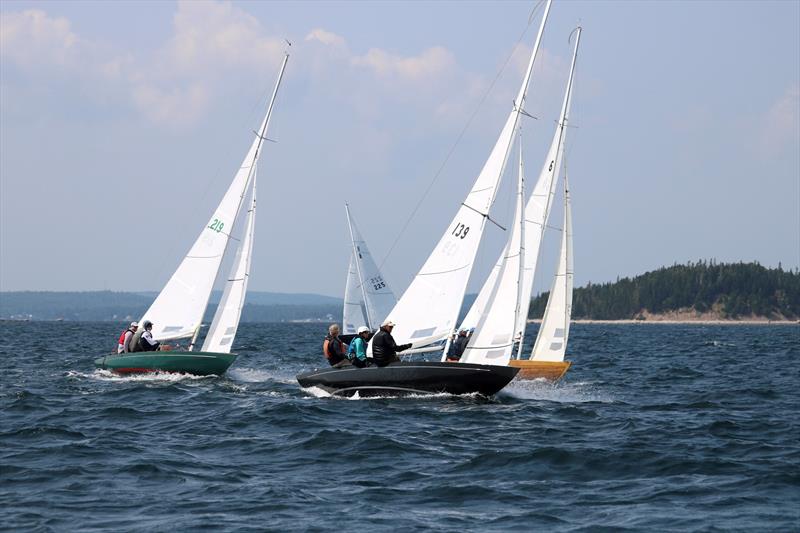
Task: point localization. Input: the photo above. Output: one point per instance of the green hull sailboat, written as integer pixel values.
(197, 363)
(178, 310)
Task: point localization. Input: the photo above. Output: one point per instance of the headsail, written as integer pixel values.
(428, 310)
(494, 336)
(551, 342)
(226, 320)
(177, 311)
(368, 297)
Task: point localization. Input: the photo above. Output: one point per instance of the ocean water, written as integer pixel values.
(654, 428)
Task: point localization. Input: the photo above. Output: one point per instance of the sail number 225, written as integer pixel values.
(460, 230)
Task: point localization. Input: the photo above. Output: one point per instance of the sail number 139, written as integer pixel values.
(460, 230)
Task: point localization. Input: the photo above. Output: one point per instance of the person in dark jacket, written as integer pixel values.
(334, 349)
(384, 349)
(458, 346)
(147, 343)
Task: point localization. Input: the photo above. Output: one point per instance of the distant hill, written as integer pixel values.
(108, 305)
(704, 289)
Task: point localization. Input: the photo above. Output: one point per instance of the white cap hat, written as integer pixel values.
(387, 323)
(134, 324)
(362, 329)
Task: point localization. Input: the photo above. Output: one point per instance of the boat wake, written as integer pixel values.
(255, 375)
(541, 389)
(155, 377)
(317, 392)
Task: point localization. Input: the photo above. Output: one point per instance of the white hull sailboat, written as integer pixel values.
(178, 310)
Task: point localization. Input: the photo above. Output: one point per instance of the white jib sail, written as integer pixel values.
(494, 336)
(177, 311)
(226, 320)
(354, 312)
(551, 343)
(368, 298)
(537, 211)
(428, 310)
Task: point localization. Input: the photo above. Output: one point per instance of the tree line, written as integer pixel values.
(731, 290)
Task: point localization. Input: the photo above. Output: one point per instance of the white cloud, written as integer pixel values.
(325, 37)
(781, 124)
(32, 39)
(430, 64)
(176, 106)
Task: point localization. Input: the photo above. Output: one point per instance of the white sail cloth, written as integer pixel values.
(367, 296)
(551, 342)
(226, 319)
(428, 310)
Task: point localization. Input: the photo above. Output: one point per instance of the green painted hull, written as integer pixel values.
(197, 363)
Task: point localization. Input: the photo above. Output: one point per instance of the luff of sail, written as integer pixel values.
(494, 336)
(428, 310)
(551, 342)
(537, 211)
(226, 319)
(368, 297)
(177, 311)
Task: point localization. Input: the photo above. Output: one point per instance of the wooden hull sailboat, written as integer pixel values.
(549, 370)
(178, 310)
(196, 363)
(406, 378)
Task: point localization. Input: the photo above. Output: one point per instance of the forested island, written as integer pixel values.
(695, 291)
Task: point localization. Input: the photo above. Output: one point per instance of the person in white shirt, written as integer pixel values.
(147, 343)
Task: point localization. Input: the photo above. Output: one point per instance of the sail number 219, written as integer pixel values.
(216, 225)
(460, 230)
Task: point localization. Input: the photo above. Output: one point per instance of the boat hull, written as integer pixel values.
(550, 370)
(406, 378)
(197, 363)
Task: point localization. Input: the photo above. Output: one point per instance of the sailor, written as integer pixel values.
(458, 346)
(334, 349)
(384, 348)
(357, 353)
(125, 337)
(146, 342)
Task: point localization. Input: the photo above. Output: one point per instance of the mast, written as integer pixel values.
(520, 276)
(358, 266)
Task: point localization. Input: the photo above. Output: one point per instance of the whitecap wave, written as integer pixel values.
(162, 377)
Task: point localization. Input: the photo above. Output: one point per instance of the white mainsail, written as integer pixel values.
(177, 311)
(226, 319)
(494, 336)
(428, 310)
(551, 342)
(537, 211)
(367, 296)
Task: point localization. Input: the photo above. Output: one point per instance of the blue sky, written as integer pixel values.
(122, 123)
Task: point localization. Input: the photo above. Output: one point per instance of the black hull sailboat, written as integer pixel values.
(405, 378)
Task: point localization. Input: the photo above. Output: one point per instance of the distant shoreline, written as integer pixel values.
(698, 322)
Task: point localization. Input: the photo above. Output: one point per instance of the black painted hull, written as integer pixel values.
(411, 378)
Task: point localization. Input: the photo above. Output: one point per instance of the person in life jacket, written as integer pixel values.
(146, 341)
(357, 353)
(334, 349)
(125, 338)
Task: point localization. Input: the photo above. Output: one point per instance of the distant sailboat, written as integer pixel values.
(427, 311)
(367, 296)
(178, 310)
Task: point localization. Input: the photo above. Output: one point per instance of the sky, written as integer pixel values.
(122, 124)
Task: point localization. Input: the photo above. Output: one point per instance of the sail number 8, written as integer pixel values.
(460, 230)
(217, 225)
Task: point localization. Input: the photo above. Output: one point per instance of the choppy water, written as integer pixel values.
(655, 427)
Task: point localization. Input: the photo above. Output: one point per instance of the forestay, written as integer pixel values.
(368, 297)
(178, 310)
(551, 343)
(428, 310)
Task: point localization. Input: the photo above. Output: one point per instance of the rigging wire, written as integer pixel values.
(460, 137)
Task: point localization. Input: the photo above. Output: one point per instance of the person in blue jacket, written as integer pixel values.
(357, 352)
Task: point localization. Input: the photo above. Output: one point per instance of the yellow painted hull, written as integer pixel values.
(552, 370)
